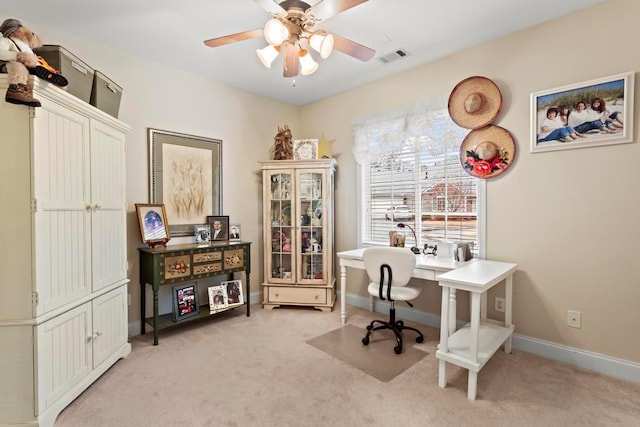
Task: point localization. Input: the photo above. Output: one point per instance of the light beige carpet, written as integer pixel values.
(376, 359)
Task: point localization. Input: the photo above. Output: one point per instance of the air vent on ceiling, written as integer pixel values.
(393, 56)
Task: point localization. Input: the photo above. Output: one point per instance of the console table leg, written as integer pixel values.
(343, 294)
(155, 317)
(246, 292)
(142, 308)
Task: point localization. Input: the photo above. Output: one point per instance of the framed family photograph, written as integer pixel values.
(234, 232)
(185, 302)
(234, 292)
(185, 175)
(588, 114)
(219, 225)
(152, 219)
(217, 297)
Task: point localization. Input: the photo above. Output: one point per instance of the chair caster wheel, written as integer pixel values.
(400, 323)
(397, 349)
(365, 340)
(419, 340)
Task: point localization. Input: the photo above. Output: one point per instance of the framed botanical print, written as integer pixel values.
(186, 176)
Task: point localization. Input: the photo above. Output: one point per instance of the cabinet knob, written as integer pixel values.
(88, 207)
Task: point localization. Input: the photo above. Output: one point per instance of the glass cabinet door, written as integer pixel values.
(312, 226)
(281, 226)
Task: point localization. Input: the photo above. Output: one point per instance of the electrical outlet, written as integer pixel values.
(499, 304)
(574, 319)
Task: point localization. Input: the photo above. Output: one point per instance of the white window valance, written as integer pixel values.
(383, 134)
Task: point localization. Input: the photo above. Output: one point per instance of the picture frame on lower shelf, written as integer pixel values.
(217, 297)
(235, 295)
(185, 302)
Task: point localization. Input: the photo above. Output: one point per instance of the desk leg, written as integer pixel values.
(453, 315)
(155, 316)
(444, 336)
(343, 294)
(473, 350)
(507, 310)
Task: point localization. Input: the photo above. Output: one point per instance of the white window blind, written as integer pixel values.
(410, 159)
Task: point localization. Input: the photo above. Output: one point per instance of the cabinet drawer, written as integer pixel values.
(298, 295)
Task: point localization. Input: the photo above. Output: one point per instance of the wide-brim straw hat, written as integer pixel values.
(475, 102)
(487, 152)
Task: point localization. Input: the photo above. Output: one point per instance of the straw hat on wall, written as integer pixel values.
(487, 152)
(475, 102)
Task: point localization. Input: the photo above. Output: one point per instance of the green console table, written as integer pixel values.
(175, 264)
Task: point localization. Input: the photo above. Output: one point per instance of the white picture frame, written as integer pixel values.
(305, 149)
(617, 92)
(217, 297)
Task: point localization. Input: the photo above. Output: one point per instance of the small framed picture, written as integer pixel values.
(201, 233)
(152, 219)
(217, 297)
(234, 292)
(234, 232)
(185, 302)
(305, 149)
(219, 226)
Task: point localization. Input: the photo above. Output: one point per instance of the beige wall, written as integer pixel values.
(548, 213)
(568, 218)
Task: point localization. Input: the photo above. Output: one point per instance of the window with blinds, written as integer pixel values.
(419, 181)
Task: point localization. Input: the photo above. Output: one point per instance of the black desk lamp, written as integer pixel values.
(414, 248)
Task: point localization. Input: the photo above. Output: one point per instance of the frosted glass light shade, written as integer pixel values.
(275, 32)
(307, 64)
(267, 55)
(322, 43)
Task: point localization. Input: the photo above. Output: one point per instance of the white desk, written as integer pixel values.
(471, 347)
(427, 267)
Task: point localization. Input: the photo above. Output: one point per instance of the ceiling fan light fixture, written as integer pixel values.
(322, 43)
(275, 33)
(268, 54)
(307, 64)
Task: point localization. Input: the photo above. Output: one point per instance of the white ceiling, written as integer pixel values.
(173, 31)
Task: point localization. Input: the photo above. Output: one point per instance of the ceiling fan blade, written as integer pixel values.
(270, 6)
(325, 9)
(352, 48)
(291, 61)
(232, 38)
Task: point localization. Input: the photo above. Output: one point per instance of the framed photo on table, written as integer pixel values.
(217, 297)
(185, 302)
(234, 232)
(599, 112)
(152, 220)
(234, 292)
(219, 227)
(185, 175)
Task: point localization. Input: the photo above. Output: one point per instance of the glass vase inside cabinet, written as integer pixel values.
(281, 226)
(311, 237)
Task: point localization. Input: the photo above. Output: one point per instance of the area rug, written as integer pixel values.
(376, 359)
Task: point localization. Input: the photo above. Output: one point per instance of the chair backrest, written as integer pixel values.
(402, 262)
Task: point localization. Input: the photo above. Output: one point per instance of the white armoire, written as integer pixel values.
(63, 268)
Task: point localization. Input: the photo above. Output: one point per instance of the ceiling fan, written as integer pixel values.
(291, 30)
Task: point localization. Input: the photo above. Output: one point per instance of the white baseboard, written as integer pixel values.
(607, 365)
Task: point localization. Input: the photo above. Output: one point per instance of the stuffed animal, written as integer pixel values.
(18, 61)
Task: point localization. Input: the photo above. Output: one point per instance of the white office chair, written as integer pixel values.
(389, 271)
